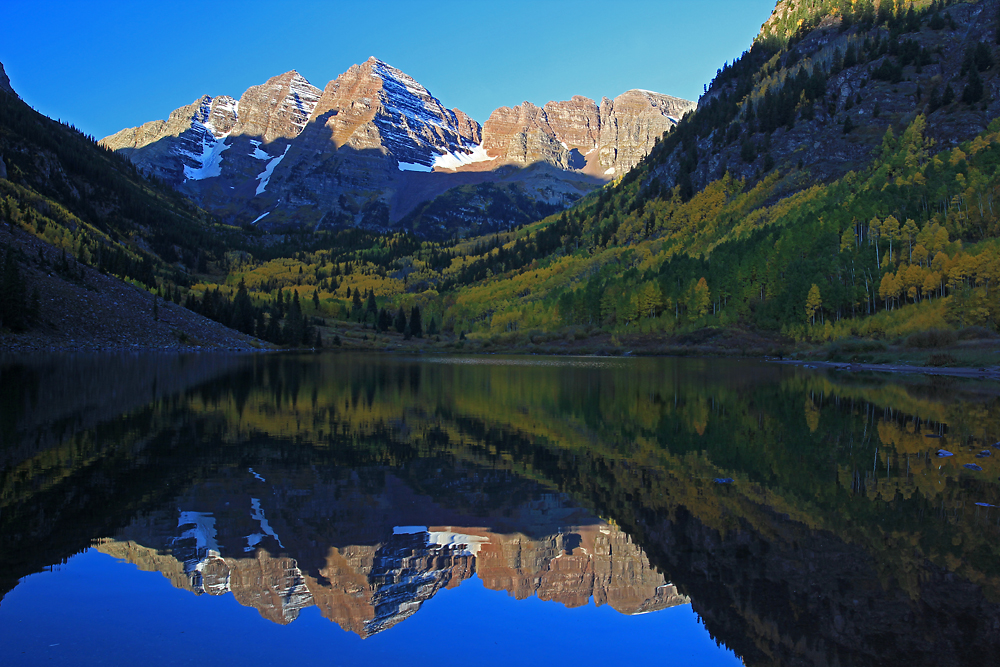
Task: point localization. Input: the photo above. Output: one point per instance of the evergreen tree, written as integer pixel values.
(416, 326)
(384, 320)
(273, 331)
(949, 96)
(974, 90)
(243, 311)
(295, 328)
(400, 321)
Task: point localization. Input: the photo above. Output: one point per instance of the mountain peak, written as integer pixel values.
(5, 82)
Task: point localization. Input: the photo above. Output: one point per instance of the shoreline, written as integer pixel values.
(988, 373)
(21, 344)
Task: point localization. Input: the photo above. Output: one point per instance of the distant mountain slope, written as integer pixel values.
(79, 223)
(289, 155)
(819, 88)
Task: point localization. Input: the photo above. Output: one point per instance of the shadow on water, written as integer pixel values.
(807, 516)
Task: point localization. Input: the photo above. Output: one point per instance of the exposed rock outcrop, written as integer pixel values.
(631, 124)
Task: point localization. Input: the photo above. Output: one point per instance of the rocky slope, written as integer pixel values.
(374, 144)
(87, 310)
(818, 90)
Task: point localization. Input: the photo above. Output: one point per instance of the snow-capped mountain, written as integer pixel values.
(287, 154)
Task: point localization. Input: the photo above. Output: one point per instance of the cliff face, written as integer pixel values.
(288, 154)
(568, 134)
(631, 124)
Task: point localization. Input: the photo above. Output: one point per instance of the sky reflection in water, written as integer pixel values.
(495, 510)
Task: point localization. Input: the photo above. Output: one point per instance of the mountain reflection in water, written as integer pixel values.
(328, 539)
(364, 485)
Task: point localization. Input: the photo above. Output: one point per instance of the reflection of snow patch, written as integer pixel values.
(446, 539)
(457, 159)
(265, 176)
(257, 514)
(252, 471)
(472, 543)
(203, 532)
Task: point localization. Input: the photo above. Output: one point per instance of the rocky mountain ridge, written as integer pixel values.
(359, 151)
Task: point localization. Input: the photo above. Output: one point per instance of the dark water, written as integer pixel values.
(346, 509)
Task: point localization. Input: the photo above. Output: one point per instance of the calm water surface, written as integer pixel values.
(348, 509)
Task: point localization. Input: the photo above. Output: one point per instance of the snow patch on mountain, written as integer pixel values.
(460, 158)
(413, 166)
(203, 145)
(265, 176)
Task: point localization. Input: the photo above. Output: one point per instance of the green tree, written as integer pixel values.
(243, 311)
(813, 303)
(700, 298)
(400, 322)
(416, 326)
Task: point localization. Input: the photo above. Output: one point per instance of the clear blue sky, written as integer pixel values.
(107, 65)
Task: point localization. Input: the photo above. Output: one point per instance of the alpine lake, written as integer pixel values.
(348, 509)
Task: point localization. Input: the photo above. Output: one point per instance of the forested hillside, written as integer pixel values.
(836, 181)
(880, 225)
